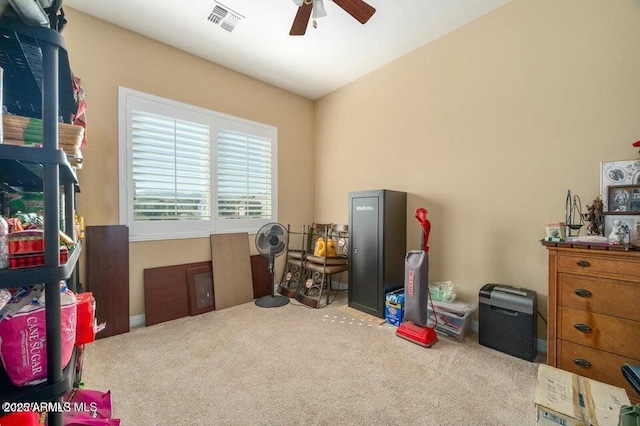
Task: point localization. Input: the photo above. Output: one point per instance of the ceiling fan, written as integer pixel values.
(359, 9)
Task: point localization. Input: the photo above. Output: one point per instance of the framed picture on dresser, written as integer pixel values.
(617, 173)
(624, 199)
(626, 226)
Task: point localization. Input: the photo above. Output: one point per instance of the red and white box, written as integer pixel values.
(29, 260)
(28, 241)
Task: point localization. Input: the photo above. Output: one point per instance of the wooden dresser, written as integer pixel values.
(594, 313)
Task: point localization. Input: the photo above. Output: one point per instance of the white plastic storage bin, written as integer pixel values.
(450, 324)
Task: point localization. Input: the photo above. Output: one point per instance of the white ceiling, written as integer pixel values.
(338, 51)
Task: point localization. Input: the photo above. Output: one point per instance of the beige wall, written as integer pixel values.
(488, 128)
(105, 57)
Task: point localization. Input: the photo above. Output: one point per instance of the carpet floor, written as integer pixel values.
(294, 365)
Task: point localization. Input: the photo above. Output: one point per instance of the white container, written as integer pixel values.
(449, 324)
(4, 243)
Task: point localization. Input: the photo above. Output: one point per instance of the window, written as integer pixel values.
(189, 172)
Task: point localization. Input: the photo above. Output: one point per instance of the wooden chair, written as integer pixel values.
(331, 258)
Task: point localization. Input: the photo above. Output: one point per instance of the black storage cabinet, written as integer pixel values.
(378, 239)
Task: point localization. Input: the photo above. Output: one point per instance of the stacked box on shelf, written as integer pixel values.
(27, 131)
(31, 260)
(26, 249)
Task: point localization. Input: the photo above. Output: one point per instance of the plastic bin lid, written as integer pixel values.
(457, 307)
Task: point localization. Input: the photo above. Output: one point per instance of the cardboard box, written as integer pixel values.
(564, 398)
(394, 307)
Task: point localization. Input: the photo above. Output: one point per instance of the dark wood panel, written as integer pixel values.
(260, 276)
(166, 290)
(107, 260)
(166, 296)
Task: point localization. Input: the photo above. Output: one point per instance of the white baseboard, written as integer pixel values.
(541, 344)
(137, 321)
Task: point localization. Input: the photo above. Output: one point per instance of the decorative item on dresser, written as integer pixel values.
(593, 316)
(595, 217)
(574, 219)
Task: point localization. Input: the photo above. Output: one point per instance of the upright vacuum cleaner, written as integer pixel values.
(416, 290)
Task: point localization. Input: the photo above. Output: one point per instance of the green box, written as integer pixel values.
(30, 202)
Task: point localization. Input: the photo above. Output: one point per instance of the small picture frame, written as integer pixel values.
(624, 199)
(628, 227)
(555, 231)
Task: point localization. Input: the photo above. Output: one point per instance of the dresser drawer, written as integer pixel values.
(619, 267)
(607, 333)
(600, 295)
(594, 364)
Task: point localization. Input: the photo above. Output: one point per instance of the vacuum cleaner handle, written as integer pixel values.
(421, 215)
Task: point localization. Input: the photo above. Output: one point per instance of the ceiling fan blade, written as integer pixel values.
(301, 20)
(357, 8)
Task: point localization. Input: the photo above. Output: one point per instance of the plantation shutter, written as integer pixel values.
(171, 168)
(244, 175)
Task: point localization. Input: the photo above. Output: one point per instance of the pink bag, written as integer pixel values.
(23, 334)
(98, 405)
(92, 422)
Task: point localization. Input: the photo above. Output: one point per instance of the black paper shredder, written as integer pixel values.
(507, 320)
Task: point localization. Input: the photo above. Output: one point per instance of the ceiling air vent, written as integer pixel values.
(224, 16)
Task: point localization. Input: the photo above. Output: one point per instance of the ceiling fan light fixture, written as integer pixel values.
(318, 9)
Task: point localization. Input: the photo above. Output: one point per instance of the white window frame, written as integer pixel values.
(172, 229)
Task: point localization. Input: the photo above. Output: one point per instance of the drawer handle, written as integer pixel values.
(583, 327)
(582, 362)
(582, 292)
(583, 263)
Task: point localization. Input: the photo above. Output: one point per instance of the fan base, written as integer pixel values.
(272, 301)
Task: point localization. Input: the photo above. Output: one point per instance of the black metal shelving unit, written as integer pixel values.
(37, 83)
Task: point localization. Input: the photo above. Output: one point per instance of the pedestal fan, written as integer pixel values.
(271, 242)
